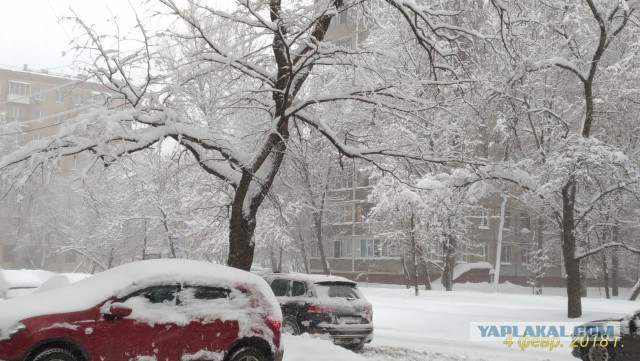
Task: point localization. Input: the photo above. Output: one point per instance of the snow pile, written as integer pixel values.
(463, 268)
(308, 348)
(25, 280)
(62, 279)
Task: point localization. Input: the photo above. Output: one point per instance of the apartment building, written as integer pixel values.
(33, 105)
(355, 250)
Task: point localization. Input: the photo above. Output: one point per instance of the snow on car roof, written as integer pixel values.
(90, 292)
(315, 278)
(22, 278)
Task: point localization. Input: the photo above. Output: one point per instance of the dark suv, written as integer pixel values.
(328, 305)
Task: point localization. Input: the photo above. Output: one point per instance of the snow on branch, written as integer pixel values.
(580, 255)
(556, 62)
(357, 152)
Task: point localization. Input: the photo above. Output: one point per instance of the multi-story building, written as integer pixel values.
(355, 250)
(33, 105)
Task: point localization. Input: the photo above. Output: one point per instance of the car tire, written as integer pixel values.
(247, 354)
(55, 354)
(356, 346)
(600, 354)
(290, 326)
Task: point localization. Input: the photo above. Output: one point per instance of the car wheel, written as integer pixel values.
(248, 354)
(55, 354)
(291, 326)
(600, 354)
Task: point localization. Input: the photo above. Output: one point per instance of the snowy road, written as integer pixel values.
(435, 326)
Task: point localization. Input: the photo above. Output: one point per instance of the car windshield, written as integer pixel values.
(339, 289)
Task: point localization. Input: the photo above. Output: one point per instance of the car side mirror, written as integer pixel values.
(633, 327)
(118, 310)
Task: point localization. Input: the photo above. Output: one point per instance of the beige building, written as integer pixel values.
(354, 250)
(33, 105)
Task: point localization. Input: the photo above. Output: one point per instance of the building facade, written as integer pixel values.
(33, 105)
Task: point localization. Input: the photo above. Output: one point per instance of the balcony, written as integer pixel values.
(19, 98)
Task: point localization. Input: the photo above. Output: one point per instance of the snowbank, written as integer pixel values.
(308, 348)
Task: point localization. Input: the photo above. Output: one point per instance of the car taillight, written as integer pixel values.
(275, 325)
(320, 309)
(368, 309)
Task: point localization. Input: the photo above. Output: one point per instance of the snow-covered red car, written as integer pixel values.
(327, 305)
(147, 310)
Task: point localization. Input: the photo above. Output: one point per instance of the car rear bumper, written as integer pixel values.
(279, 355)
(345, 336)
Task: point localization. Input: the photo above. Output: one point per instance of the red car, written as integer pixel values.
(144, 311)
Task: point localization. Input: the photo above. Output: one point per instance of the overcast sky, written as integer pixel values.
(31, 33)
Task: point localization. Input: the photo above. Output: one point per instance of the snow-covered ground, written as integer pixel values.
(435, 325)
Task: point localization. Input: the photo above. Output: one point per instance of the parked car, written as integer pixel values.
(61, 279)
(16, 283)
(147, 310)
(597, 342)
(328, 305)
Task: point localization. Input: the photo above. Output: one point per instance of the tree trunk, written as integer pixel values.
(241, 245)
(635, 291)
(605, 275)
(424, 269)
(538, 282)
(572, 266)
(303, 250)
(615, 262)
(407, 277)
(317, 220)
(496, 277)
(414, 253)
(449, 261)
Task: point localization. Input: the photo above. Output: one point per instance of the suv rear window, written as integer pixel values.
(337, 289)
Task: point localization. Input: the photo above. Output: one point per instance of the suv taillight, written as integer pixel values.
(320, 309)
(368, 309)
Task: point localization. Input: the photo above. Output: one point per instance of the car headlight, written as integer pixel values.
(16, 329)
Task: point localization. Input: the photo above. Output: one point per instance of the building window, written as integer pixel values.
(505, 256)
(483, 150)
(345, 43)
(347, 248)
(17, 113)
(524, 255)
(370, 248)
(483, 222)
(342, 179)
(461, 253)
(40, 95)
(362, 179)
(60, 96)
(77, 100)
(35, 136)
(39, 114)
(525, 221)
(339, 213)
(8, 253)
(16, 88)
(337, 247)
(59, 118)
(483, 252)
(507, 219)
(76, 163)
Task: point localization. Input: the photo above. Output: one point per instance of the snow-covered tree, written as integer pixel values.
(231, 87)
